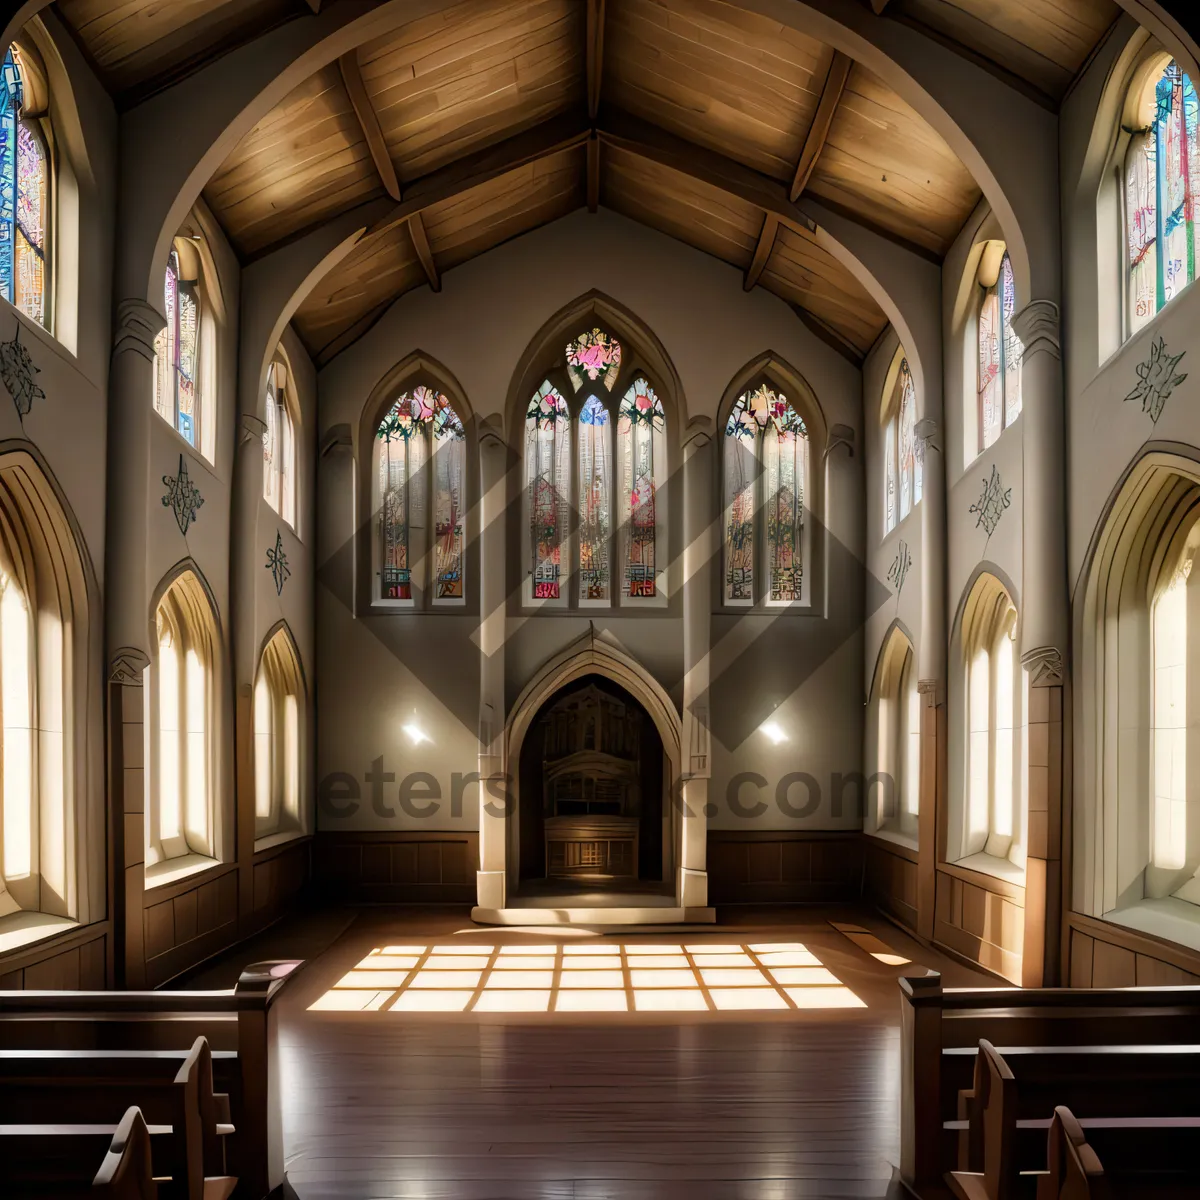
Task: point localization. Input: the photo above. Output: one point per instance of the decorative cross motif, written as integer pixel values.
(1157, 379)
(17, 371)
(277, 563)
(898, 571)
(183, 497)
(992, 502)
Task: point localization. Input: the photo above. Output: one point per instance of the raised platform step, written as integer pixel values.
(641, 914)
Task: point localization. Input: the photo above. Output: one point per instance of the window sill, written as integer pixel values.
(890, 833)
(172, 870)
(989, 864)
(1170, 918)
(269, 841)
(22, 928)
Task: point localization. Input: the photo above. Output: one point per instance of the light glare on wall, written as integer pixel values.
(774, 731)
(416, 734)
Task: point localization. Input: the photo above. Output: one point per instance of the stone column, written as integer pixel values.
(491, 878)
(131, 500)
(1044, 630)
(931, 659)
(701, 549)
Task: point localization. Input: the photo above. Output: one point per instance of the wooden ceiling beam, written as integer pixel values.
(593, 173)
(877, 6)
(416, 227)
(762, 252)
(595, 55)
(818, 131)
(368, 120)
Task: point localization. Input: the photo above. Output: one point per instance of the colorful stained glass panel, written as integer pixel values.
(547, 471)
(593, 356)
(595, 491)
(449, 459)
(641, 439)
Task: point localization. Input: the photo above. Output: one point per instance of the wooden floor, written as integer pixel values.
(707, 1105)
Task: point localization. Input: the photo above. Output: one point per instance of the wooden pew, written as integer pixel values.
(1073, 1172)
(78, 1087)
(1002, 1147)
(89, 1162)
(941, 1030)
(241, 1022)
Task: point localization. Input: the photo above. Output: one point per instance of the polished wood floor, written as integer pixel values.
(708, 1105)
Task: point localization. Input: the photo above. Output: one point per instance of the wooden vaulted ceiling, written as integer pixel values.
(496, 116)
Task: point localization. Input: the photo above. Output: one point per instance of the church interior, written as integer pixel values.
(421, 780)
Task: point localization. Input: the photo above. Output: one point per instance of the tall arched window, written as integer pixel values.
(595, 500)
(1162, 179)
(992, 822)
(642, 449)
(24, 197)
(902, 464)
(897, 718)
(183, 711)
(1000, 351)
(766, 470)
(279, 446)
(547, 488)
(420, 450)
(177, 354)
(279, 726)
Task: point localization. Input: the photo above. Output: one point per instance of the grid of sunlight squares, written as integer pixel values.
(595, 977)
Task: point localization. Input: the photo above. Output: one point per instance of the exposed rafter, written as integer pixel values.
(818, 132)
(762, 252)
(593, 173)
(595, 55)
(368, 120)
(416, 227)
(877, 6)
(315, 5)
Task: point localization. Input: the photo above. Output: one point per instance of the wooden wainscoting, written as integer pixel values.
(1104, 955)
(980, 918)
(74, 960)
(397, 867)
(782, 866)
(890, 879)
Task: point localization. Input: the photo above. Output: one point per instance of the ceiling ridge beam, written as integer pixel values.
(762, 252)
(593, 172)
(595, 55)
(368, 120)
(420, 241)
(818, 131)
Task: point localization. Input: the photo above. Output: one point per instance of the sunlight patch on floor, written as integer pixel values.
(865, 940)
(589, 977)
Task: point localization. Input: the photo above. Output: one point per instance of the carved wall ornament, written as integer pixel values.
(17, 371)
(1044, 665)
(1157, 379)
(992, 502)
(183, 496)
(277, 563)
(1038, 327)
(138, 325)
(127, 666)
(840, 435)
(898, 571)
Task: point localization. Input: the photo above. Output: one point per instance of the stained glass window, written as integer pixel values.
(547, 472)
(594, 356)
(449, 470)
(177, 355)
(910, 462)
(402, 453)
(279, 448)
(24, 196)
(641, 439)
(891, 485)
(1162, 175)
(1000, 354)
(595, 499)
(766, 447)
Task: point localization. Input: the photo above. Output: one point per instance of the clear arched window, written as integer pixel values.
(279, 725)
(999, 401)
(1162, 178)
(547, 489)
(994, 721)
(897, 715)
(24, 198)
(902, 464)
(177, 355)
(420, 448)
(279, 446)
(182, 705)
(642, 452)
(766, 470)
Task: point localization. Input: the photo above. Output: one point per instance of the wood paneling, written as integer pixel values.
(981, 919)
(1044, 42)
(77, 959)
(451, 83)
(1107, 955)
(135, 43)
(805, 273)
(783, 867)
(890, 880)
(732, 81)
(885, 163)
(398, 867)
(306, 160)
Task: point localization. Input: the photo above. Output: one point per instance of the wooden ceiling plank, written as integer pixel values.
(877, 6)
(368, 119)
(416, 228)
(595, 55)
(762, 252)
(818, 133)
(593, 173)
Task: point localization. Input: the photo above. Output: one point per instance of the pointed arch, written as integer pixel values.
(894, 737)
(280, 738)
